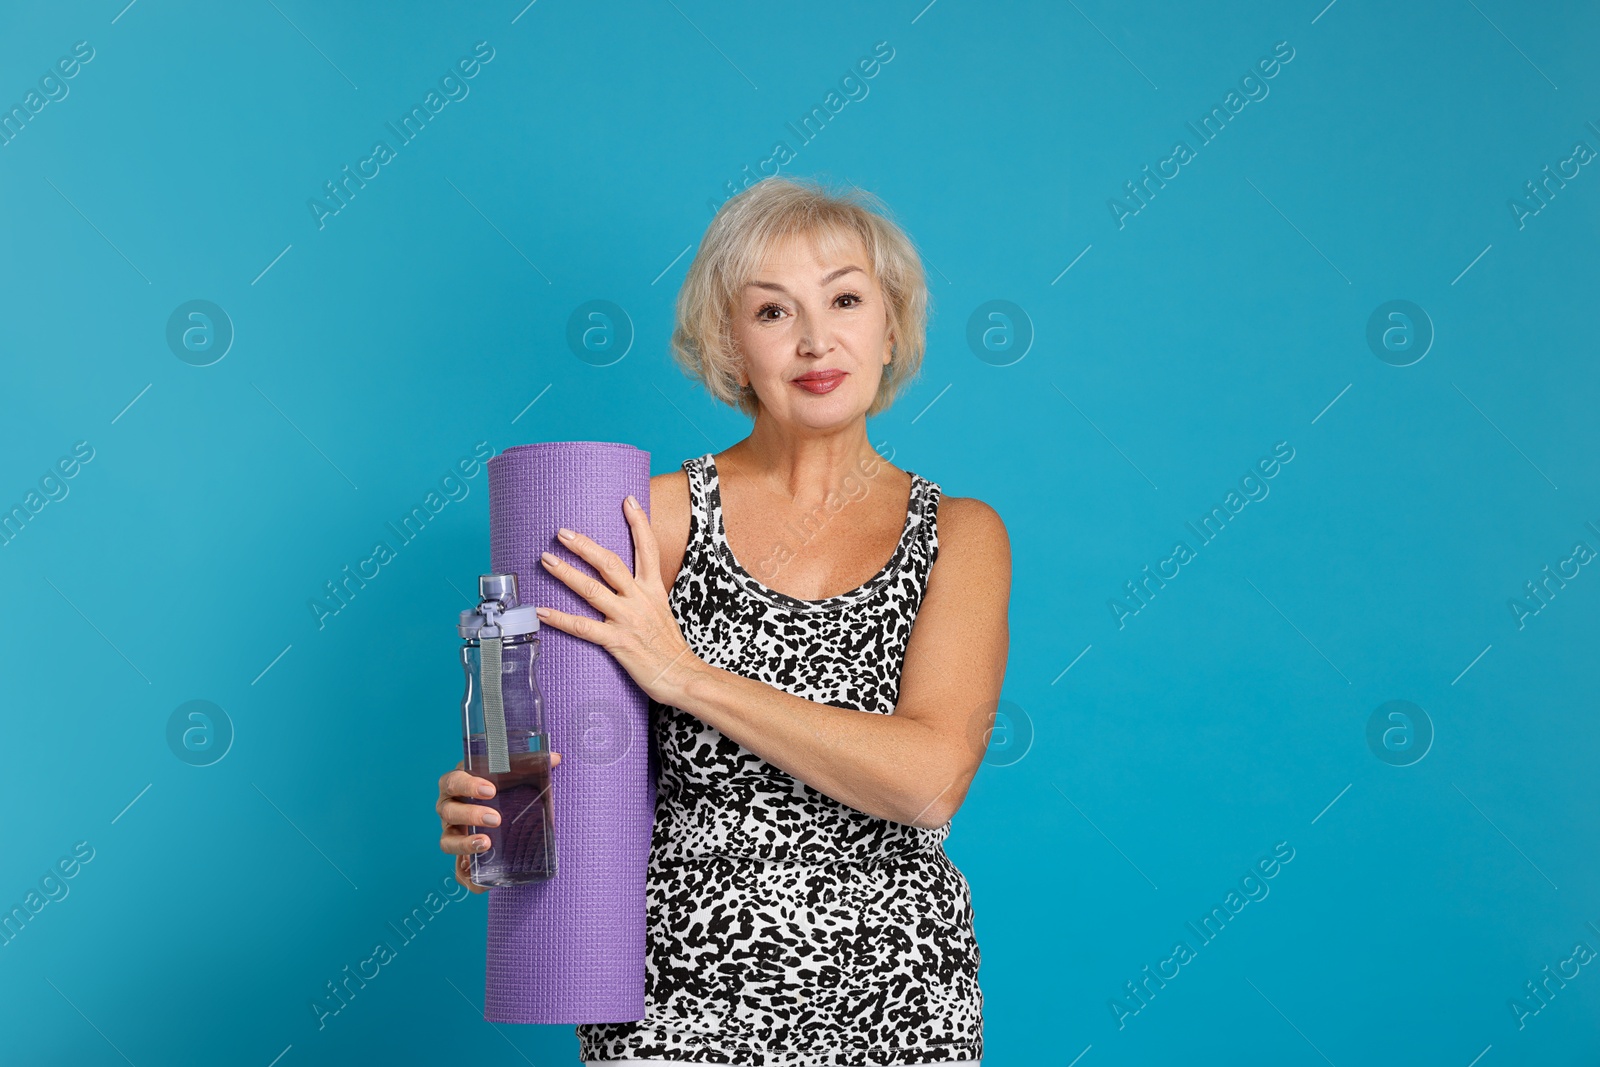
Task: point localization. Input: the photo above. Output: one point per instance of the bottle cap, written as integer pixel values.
(501, 587)
(498, 614)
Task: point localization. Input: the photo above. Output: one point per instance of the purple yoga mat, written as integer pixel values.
(572, 949)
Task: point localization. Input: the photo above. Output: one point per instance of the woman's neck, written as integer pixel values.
(804, 470)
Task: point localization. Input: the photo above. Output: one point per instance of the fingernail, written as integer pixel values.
(491, 818)
(486, 790)
(565, 534)
(480, 845)
(548, 559)
(632, 503)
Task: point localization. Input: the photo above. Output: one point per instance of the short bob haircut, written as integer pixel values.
(732, 250)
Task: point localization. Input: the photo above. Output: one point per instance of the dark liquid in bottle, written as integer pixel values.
(522, 848)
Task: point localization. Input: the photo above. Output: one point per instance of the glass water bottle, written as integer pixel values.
(503, 734)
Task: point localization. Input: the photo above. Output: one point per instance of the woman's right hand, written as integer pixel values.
(457, 811)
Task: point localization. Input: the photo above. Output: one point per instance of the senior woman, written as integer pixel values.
(819, 712)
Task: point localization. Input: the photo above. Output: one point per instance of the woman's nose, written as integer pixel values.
(813, 339)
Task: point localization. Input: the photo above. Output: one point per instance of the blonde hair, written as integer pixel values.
(732, 250)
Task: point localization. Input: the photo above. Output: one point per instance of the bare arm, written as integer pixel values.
(915, 765)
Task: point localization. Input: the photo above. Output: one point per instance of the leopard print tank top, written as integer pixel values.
(785, 927)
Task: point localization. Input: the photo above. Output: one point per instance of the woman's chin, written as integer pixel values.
(825, 412)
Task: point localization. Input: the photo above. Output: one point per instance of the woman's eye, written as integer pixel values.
(852, 297)
(762, 314)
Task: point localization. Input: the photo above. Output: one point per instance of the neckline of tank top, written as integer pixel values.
(915, 504)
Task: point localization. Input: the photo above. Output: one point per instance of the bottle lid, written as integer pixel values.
(498, 613)
(501, 587)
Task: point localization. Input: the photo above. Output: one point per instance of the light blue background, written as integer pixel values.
(1226, 316)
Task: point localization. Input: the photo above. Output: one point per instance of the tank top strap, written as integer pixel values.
(699, 550)
(927, 534)
(923, 548)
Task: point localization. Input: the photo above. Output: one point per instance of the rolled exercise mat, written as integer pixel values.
(572, 949)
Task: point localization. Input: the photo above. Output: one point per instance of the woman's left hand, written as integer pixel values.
(638, 626)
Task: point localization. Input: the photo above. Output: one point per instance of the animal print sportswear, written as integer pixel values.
(784, 927)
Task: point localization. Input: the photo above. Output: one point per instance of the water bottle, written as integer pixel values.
(503, 733)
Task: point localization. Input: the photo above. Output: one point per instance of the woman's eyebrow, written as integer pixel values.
(775, 287)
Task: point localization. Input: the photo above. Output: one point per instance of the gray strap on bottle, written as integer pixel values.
(494, 709)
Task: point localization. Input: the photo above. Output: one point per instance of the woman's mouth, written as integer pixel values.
(820, 382)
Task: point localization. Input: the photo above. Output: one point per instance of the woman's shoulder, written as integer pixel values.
(669, 502)
(968, 517)
(972, 537)
(669, 520)
(670, 483)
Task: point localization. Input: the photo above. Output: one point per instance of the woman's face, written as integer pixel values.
(814, 333)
